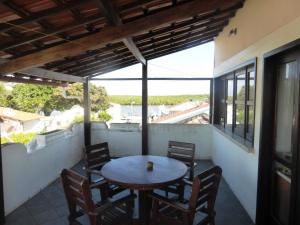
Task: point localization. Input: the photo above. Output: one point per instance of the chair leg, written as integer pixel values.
(167, 194)
(155, 216)
(94, 220)
(212, 221)
(181, 192)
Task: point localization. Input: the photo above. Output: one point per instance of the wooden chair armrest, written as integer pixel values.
(96, 172)
(108, 204)
(172, 203)
(99, 185)
(187, 182)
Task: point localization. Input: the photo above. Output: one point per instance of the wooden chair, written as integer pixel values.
(79, 199)
(203, 197)
(184, 152)
(96, 156)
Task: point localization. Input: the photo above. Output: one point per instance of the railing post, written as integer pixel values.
(87, 112)
(2, 209)
(145, 110)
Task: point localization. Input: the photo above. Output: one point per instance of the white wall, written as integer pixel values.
(239, 167)
(25, 174)
(199, 134)
(125, 139)
(33, 126)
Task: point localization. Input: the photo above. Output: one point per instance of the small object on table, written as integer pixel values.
(150, 165)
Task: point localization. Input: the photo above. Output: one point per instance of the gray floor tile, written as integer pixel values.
(49, 206)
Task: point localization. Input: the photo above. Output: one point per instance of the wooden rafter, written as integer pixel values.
(151, 53)
(35, 17)
(110, 12)
(35, 37)
(146, 47)
(199, 23)
(117, 33)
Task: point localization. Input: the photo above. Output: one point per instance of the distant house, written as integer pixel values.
(19, 121)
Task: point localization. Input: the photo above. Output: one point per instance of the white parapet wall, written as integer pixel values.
(25, 172)
(240, 169)
(125, 139)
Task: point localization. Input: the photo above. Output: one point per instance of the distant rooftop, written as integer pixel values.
(18, 115)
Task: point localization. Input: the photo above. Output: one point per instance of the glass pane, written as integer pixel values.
(198, 62)
(125, 100)
(241, 86)
(222, 98)
(282, 193)
(229, 98)
(134, 71)
(250, 127)
(240, 119)
(285, 110)
(178, 102)
(251, 85)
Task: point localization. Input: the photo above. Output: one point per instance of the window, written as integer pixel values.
(179, 101)
(234, 103)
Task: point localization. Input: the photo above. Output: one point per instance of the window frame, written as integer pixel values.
(244, 135)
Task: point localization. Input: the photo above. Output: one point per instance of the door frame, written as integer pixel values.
(263, 210)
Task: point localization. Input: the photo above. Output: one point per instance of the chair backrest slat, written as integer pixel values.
(205, 188)
(77, 192)
(97, 155)
(184, 152)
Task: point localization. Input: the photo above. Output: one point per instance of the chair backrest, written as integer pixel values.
(205, 188)
(184, 152)
(97, 155)
(77, 192)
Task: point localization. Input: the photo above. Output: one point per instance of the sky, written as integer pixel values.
(193, 62)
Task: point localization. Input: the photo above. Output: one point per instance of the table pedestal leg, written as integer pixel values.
(144, 207)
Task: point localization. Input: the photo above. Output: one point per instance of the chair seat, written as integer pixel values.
(115, 216)
(110, 217)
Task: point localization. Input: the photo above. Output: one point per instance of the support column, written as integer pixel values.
(145, 110)
(2, 214)
(211, 100)
(87, 112)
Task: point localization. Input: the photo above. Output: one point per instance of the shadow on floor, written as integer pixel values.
(49, 207)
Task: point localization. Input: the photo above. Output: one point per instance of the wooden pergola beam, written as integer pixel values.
(44, 74)
(111, 13)
(48, 74)
(19, 79)
(115, 34)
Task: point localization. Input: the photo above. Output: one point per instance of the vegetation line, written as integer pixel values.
(156, 100)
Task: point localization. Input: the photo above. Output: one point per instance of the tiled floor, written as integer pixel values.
(49, 206)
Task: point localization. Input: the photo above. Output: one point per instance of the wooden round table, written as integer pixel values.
(131, 172)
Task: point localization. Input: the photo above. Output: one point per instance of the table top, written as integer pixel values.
(131, 172)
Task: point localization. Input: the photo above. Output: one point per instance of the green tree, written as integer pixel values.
(3, 96)
(58, 102)
(104, 116)
(30, 97)
(98, 95)
(35, 98)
